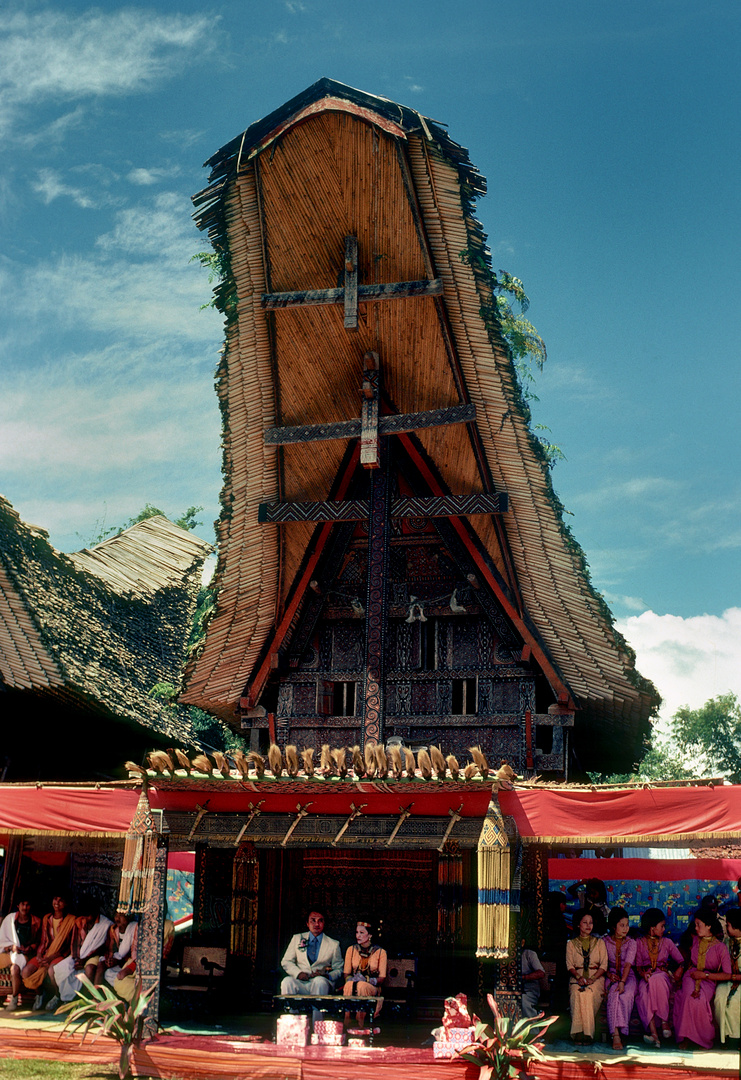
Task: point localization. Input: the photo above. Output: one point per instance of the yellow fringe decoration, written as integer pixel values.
(140, 850)
(492, 939)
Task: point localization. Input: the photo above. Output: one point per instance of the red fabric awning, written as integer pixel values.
(64, 811)
(644, 869)
(560, 815)
(429, 800)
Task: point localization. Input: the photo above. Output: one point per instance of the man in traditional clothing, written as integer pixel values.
(88, 943)
(57, 929)
(312, 961)
(19, 939)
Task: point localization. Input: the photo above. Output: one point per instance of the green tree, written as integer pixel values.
(700, 742)
(187, 520)
(711, 735)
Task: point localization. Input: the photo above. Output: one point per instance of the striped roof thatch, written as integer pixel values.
(282, 196)
(90, 634)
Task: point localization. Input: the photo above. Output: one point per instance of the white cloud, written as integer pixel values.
(689, 659)
(54, 55)
(147, 177)
(137, 284)
(50, 186)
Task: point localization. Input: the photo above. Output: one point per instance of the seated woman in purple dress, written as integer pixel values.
(620, 978)
(710, 963)
(654, 954)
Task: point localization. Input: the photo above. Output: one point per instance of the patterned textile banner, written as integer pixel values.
(675, 885)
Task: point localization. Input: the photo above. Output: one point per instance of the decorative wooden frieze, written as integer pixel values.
(370, 446)
(375, 609)
(395, 424)
(351, 283)
(408, 507)
(396, 290)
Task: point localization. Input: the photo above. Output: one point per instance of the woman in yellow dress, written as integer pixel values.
(587, 962)
(366, 967)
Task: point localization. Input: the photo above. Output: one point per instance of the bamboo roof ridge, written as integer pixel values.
(282, 196)
(96, 630)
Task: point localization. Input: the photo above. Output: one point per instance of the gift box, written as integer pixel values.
(292, 1030)
(329, 1033)
(443, 1050)
(459, 1037)
(354, 1040)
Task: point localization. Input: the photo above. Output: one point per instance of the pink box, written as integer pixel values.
(329, 1033)
(460, 1036)
(443, 1050)
(292, 1030)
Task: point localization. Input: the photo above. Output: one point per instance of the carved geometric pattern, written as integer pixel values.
(408, 507)
(394, 424)
(373, 695)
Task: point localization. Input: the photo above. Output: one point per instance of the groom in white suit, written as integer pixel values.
(312, 961)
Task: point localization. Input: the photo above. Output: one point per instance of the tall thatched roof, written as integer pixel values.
(89, 634)
(282, 196)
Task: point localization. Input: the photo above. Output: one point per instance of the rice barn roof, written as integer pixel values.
(84, 638)
(282, 198)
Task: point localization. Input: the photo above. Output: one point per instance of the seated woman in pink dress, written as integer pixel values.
(654, 955)
(620, 978)
(710, 963)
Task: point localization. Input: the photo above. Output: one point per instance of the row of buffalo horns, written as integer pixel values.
(375, 761)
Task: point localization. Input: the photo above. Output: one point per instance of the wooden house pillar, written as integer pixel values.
(149, 959)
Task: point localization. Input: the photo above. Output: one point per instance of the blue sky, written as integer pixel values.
(609, 134)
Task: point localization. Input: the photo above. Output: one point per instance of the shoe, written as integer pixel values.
(53, 1004)
(38, 1003)
(666, 1032)
(12, 1003)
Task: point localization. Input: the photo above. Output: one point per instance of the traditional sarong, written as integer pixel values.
(693, 1015)
(620, 1006)
(55, 945)
(86, 946)
(727, 1000)
(585, 1001)
(654, 993)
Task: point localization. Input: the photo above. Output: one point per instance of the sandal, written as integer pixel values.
(666, 1032)
(617, 1042)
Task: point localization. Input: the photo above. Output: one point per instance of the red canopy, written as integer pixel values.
(563, 815)
(73, 810)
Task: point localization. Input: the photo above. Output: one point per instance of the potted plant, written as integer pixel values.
(505, 1050)
(97, 1007)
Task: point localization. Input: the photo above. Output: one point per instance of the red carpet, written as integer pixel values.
(192, 1057)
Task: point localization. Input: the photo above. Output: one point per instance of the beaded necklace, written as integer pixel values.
(586, 944)
(702, 950)
(652, 948)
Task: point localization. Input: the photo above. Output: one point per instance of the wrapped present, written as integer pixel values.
(459, 1037)
(329, 1032)
(354, 1040)
(443, 1050)
(292, 1030)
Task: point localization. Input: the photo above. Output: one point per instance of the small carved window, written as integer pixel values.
(428, 645)
(335, 698)
(464, 697)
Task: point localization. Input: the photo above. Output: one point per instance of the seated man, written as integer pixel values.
(88, 942)
(19, 939)
(312, 962)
